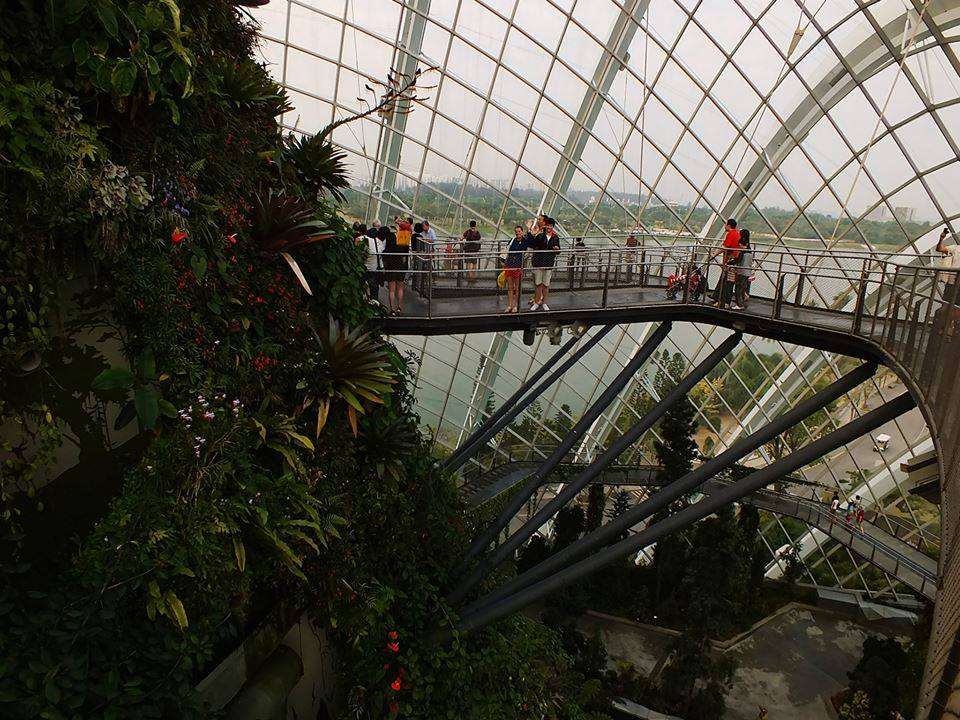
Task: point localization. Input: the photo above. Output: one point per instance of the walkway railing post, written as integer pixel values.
(861, 298)
(642, 270)
(606, 281)
(798, 300)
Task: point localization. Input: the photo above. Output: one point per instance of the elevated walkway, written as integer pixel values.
(893, 309)
(876, 546)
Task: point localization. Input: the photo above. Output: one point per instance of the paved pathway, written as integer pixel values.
(791, 665)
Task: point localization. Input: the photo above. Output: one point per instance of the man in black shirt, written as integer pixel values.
(471, 250)
(545, 244)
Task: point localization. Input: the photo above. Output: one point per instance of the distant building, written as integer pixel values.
(901, 213)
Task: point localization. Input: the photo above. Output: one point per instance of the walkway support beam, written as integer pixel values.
(568, 441)
(683, 486)
(570, 490)
(520, 400)
(756, 480)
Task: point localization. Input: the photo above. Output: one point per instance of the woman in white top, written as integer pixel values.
(374, 262)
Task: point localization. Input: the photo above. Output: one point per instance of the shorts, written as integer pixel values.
(541, 276)
(512, 272)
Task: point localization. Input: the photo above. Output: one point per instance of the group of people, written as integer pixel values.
(389, 248)
(854, 509)
(536, 245)
(737, 270)
(388, 255)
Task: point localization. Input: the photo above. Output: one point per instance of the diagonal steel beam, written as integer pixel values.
(756, 480)
(614, 59)
(488, 370)
(569, 440)
(522, 398)
(683, 486)
(570, 490)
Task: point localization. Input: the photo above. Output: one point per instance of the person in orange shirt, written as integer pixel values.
(728, 272)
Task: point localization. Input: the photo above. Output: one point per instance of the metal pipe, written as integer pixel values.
(684, 485)
(756, 480)
(517, 403)
(533, 482)
(679, 392)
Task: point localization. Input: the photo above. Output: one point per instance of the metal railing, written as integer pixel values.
(903, 303)
(836, 526)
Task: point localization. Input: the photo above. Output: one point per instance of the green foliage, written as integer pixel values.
(885, 680)
(348, 366)
(245, 86)
(147, 191)
(568, 526)
(857, 708)
(694, 683)
(284, 222)
(596, 505)
(319, 166)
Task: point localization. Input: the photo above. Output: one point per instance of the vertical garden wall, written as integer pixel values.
(198, 418)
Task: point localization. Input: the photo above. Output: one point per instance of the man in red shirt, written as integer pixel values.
(728, 272)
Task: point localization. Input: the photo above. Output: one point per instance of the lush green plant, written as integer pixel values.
(147, 194)
(319, 166)
(596, 505)
(349, 366)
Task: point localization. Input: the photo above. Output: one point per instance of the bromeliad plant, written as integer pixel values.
(282, 223)
(318, 165)
(348, 366)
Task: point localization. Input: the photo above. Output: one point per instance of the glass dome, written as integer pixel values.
(817, 124)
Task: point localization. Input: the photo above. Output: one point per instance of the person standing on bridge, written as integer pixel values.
(631, 255)
(950, 261)
(396, 262)
(471, 250)
(744, 273)
(546, 246)
(513, 268)
(728, 270)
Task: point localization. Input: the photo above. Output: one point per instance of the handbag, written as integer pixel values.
(502, 279)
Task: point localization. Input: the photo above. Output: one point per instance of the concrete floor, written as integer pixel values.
(791, 665)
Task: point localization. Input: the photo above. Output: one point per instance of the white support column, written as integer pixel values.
(613, 60)
(486, 378)
(408, 50)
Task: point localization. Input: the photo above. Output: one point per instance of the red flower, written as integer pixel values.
(396, 684)
(177, 236)
(393, 635)
(393, 647)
